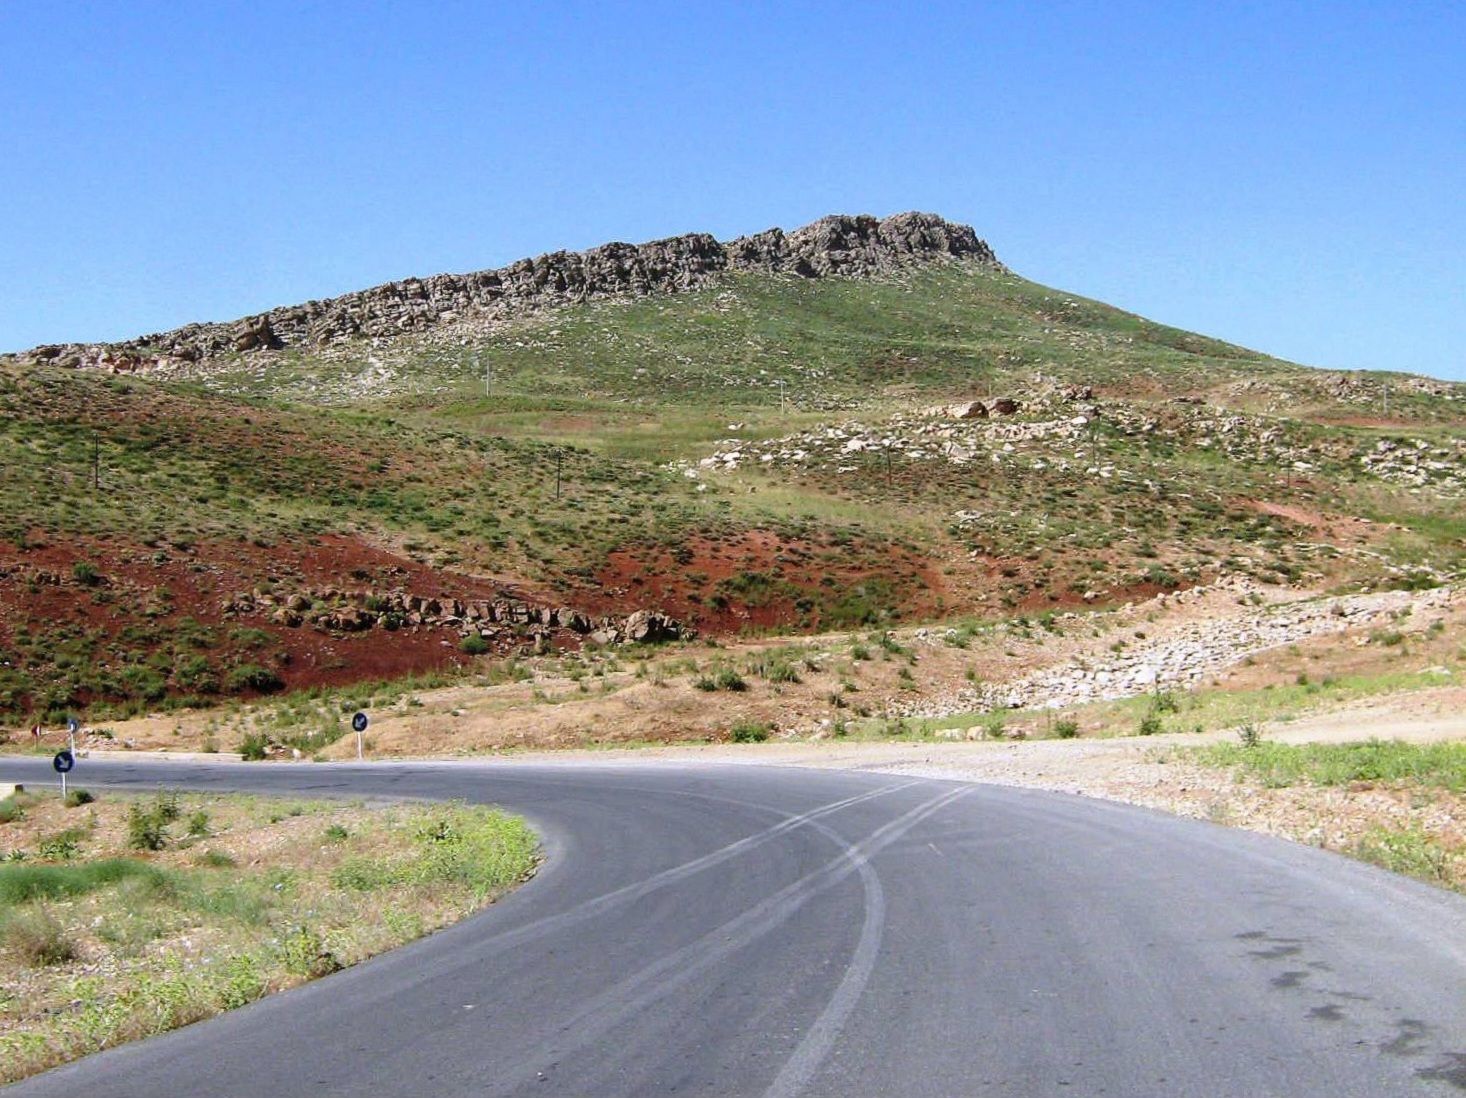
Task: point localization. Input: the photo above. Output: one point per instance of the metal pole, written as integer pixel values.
(358, 746)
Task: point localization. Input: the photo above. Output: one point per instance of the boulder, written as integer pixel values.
(648, 627)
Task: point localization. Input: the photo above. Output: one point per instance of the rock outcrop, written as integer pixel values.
(840, 245)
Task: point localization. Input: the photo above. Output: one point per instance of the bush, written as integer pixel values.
(198, 824)
(75, 798)
(85, 573)
(38, 938)
(473, 645)
(11, 810)
(1165, 702)
(729, 679)
(749, 732)
(335, 833)
(1150, 725)
(252, 748)
(304, 954)
(251, 676)
(1066, 729)
(146, 829)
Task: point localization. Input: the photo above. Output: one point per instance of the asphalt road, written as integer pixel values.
(750, 930)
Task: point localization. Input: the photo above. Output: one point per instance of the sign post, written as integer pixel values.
(359, 722)
(62, 763)
(73, 726)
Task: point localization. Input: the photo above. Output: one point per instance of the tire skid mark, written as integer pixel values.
(811, 1051)
(627, 894)
(637, 992)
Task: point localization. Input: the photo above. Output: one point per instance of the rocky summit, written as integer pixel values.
(839, 245)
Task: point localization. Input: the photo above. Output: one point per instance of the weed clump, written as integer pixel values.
(38, 938)
(147, 828)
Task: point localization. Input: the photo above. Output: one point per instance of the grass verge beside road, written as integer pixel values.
(1404, 800)
(129, 916)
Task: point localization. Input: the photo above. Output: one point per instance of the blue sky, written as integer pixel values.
(1288, 176)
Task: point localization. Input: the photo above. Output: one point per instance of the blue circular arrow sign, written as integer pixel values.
(63, 762)
(359, 722)
(73, 725)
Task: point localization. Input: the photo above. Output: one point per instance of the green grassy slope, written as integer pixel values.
(448, 447)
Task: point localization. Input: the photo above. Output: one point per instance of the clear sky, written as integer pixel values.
(1289, 176)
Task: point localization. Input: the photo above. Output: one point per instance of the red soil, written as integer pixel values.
(685, 582)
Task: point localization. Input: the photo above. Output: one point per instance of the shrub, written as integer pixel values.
(198, 823)
(85, 573)
(749, 732)
(1250, 735)
(38, 938)
(729, 679)
(146, 828)
(75, 798)
(252, 748)
(1165, 702)
(251, 676)
(473, 645)
(1151, 725)
(11, 810)
(335, 833)
(304, 954)
(1066, 729)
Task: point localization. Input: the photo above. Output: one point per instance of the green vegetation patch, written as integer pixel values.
(1437, 765)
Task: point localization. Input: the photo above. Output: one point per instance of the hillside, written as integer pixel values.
(849, 425)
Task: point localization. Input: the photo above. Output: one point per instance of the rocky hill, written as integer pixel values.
(837, 245)
(597, 452)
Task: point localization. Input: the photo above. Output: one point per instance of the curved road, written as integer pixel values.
(750, 930)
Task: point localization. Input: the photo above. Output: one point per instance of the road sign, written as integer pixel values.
(359, 722)
(73, 726)
(63, 762)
